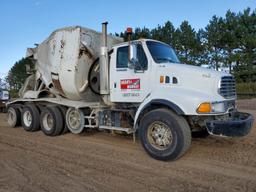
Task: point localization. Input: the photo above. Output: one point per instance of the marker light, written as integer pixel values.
(161, 79)
(204, 108)
(129, 30)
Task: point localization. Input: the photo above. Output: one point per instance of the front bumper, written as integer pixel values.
(238, 125)
(3, 104)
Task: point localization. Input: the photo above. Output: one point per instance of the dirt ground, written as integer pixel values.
(104, 162)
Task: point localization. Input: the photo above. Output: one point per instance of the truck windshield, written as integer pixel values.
(162, 53)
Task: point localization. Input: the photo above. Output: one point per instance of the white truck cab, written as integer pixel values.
(135, 86)
(157, 73)
(4, 98)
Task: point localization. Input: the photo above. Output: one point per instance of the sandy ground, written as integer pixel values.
(104, 162)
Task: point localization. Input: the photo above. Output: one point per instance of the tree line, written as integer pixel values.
(17, 75)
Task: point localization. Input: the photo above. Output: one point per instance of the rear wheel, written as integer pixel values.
(13, 116)
(75, 120)
(30, 118)
(164, 135)
(63, 111)
(51, 121)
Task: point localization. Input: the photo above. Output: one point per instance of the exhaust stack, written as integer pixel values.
(104, 73)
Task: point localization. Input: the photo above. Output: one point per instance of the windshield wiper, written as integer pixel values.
(165, 59)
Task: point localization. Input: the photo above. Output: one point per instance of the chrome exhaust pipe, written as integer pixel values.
(104, 67)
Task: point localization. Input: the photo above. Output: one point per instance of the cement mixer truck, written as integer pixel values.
(84, 79)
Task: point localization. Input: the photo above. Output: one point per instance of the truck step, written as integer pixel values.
(127, 130)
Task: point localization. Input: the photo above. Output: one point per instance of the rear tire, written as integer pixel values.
(13, 116)
(51, 121)
(164, 135)
(30, 118)
(63, 111)
(75, 120)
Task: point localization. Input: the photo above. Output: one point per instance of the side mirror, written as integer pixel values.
(133, 59)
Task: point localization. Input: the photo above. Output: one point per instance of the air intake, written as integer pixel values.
(227, 87)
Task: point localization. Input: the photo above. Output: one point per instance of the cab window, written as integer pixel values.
(122, 57)
(142, 58)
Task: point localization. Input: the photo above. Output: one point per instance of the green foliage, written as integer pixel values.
(187, 44)
(247, 34)
(246, 90)
(245, 73)
(17, 75)
(14, 93)
(214, 45)
(164, 33)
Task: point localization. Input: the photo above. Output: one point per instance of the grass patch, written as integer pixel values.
(246, 90)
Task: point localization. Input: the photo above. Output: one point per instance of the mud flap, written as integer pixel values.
(238, 125)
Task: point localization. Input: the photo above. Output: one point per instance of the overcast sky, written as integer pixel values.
(25, 22)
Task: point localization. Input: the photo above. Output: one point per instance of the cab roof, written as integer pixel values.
(140, 40)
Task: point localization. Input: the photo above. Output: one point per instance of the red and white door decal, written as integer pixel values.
(130, 84)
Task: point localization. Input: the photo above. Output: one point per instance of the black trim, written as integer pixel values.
(163, 102)
(170, 104)
(110, 52)
(95, 62)
(238, 125)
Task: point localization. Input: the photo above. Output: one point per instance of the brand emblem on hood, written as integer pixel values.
(207, 75)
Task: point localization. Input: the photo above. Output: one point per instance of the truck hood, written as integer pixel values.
(195, 70)
(193, 77)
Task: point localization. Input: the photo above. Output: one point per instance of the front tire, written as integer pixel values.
(164, 135)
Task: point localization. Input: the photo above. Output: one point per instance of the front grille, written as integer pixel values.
(227, 87)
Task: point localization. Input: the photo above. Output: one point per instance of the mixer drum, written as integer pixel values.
(63, 60)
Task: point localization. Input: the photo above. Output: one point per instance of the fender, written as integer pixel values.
(154, 102)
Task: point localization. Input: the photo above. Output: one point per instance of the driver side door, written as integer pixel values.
(129, 84)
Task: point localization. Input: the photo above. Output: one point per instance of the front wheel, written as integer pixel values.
(164, 135)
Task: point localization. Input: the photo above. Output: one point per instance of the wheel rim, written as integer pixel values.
(11, 116)
(27, 118)
(159, 135)
(74, 118)
(48, 121)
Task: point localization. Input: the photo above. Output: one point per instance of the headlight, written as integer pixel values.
(218, 107)
(211, 107)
